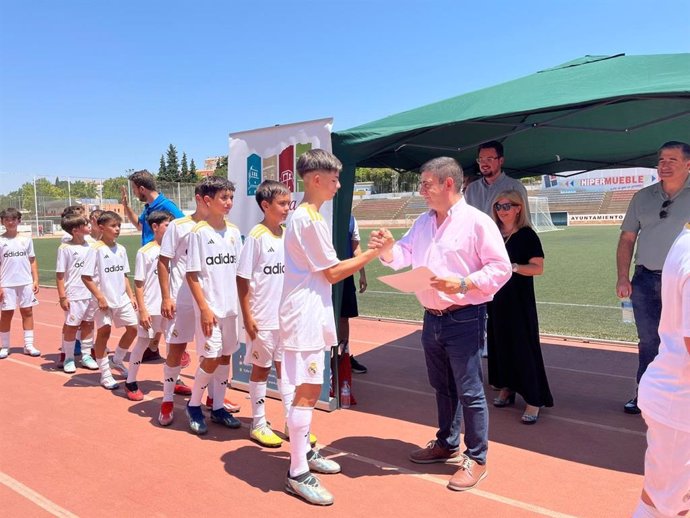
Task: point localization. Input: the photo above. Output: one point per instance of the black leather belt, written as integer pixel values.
(449, 309)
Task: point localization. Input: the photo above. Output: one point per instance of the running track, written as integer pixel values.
(70, 448)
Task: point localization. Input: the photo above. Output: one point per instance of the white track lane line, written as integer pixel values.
(405, 471)
(34, 497)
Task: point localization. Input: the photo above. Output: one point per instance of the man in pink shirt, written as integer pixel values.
(465, 250)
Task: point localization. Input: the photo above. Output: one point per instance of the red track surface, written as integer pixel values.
(71, 448)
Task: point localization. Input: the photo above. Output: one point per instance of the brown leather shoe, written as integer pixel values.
(434, 453)
(467, 476)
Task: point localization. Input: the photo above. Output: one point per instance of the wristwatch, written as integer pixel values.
(515, 267)
(463, 286)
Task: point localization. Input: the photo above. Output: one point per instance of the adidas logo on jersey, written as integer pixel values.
(211, 242)
(221, 259)
(106, 256)
(79, 264)
(271, 250)
(75, 253)
(113, 269)
(14, 254)
(276, 269)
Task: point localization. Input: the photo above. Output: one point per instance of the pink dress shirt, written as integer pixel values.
(467, 244)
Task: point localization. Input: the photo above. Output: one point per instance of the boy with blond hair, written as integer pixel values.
(75, 299)
(214, 246)
(307, 322)
(18, 282)
(105, 276)
(148, 294)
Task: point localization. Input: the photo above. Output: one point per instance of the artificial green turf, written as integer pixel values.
(575, 296)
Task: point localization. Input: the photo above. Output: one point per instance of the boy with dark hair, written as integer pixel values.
(214, 246)
(259, 284)
(148, 294)
(75, 299)
(95, 233)
(18, 282)
(105, 276)
(307, 323)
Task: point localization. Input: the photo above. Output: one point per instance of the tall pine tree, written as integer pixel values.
(161, 168)
(192, 171)
(184, 169)
(172, 167)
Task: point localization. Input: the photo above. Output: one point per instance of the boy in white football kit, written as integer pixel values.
(260, 284)
(177, 306)
(18, 282)
(214, 247)
(148, 294)
(75, 299)
(664, 394)
(307, 322)
(105, 276)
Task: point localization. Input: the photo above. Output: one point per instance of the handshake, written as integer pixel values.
(382, 241)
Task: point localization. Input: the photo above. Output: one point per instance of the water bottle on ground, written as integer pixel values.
(345, 395)
(627, 311)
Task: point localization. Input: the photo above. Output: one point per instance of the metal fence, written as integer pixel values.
(46, 220)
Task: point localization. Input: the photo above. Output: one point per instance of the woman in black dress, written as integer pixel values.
(515, 360)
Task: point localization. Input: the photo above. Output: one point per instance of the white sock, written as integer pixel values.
(104, 367)
(135, 358)
(299, 422)
(220, 384)
(87, 346)
(170, 375)
(29, 338)
(68, 349)
(5, 339)
(287, 394)
(257, 395)
(119, 356)
(201, 381)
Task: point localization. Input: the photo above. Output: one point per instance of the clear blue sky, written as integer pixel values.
(91, 88)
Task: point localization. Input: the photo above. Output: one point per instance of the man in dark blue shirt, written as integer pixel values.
(144, 188)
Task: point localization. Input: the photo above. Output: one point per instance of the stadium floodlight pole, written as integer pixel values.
(69, 190)
(36, 204)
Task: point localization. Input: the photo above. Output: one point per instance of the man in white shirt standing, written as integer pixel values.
(664, 394)
(465, 250)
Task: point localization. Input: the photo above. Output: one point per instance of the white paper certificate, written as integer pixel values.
(417, 279)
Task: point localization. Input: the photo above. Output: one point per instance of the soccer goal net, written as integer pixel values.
(541, 217)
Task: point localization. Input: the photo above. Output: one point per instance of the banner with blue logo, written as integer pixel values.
(271, 154)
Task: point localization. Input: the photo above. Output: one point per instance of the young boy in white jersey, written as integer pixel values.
(177, 305)
(148, 294)
(105, 276)
(91, 237)
(307, 322)
(75, 300)
(259, 284)
(214, 247)
(18, 282)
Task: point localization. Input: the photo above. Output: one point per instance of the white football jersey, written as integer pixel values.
(146, 271)
(15, 268)
(214, 254)
(107, 267)
(306, 307)
(174, 246)
(70, 261)
(262, 263)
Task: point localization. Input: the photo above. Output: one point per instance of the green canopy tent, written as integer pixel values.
(595, 112)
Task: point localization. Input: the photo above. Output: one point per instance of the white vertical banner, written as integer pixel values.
(271, 154)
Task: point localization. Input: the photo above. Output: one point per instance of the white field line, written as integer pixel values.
(35, 497)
